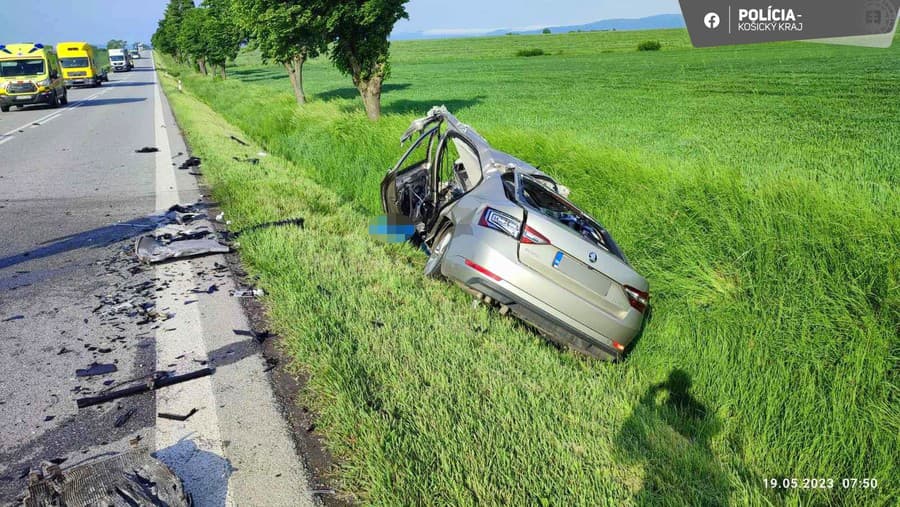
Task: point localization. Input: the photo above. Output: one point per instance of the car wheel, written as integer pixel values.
(438, 249)
(55, 102)
(65, 99)
(5, 109)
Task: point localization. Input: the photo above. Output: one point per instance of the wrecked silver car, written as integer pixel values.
(506, 232)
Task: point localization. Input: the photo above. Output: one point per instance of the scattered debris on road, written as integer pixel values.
(190, 162)
(212, 288)
(153, 384)
(184, 231)
(235, 139)
(131, 478)
(14, 317)
(124, 417)
(150, 250)
(96, 369)
(176, 417)
(259, 337)
(247, 293)
(147, 149)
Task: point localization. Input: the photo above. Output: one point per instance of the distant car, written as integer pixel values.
(506, 232)
(136, 55)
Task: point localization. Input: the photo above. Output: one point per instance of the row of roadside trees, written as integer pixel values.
(352, 33)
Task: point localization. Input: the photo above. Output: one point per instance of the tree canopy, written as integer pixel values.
(285, 32)
(358, 31)
(354, 33)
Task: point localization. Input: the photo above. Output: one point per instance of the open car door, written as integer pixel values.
(405, 188)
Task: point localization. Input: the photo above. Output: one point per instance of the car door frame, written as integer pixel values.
(388, 184)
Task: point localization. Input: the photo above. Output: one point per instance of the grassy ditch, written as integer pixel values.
(773, 350)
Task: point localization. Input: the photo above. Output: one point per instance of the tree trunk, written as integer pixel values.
(224, 75)
(202, 63)
(296, 72)
(370, 91)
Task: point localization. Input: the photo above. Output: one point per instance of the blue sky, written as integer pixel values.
(52, 21)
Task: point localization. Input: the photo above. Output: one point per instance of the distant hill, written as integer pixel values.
(649, 23)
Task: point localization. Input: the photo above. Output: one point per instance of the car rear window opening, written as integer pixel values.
(552, 205)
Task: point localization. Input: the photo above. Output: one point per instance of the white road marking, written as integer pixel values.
(193, 448)
(9, 136)
(48, 120)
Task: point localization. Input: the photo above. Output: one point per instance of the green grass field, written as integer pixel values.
(757, 189)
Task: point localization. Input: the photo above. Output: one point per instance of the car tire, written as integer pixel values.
(5, 109)
(65, 99)
(54, 103)
(438, 250)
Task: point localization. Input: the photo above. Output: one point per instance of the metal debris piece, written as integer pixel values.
(247, 293)
(150, 250)
(212, 288)
(123, 418)
(235, 139)
(277, 223)
(96, 369)
(183, 214)
(147, 149)
(133, 478)
(14, 317)
(151, 385)
(196, 229)
(176, 417)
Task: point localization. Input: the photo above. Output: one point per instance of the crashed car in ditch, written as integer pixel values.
(506, 232)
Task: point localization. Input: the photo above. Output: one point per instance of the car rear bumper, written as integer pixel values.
(546, 309)
(25, 99)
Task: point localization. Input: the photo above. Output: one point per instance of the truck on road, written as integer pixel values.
(29, 74)
(120, 60)
(79, 64)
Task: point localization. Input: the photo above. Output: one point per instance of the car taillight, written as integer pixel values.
(638, 299)
(533, 237)
(510, 226)
(500, 221)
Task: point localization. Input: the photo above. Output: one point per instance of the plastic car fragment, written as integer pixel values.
(150, 250)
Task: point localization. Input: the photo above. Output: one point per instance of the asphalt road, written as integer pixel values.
(73, 196)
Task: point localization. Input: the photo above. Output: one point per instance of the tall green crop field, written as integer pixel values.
(756, 187)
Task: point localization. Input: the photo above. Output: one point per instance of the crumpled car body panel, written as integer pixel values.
(149, 250)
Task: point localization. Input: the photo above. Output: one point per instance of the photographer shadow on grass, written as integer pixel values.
(667, 437)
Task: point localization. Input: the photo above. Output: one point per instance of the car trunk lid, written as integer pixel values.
(573, 250)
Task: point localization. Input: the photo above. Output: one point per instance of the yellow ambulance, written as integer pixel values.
(29, 74)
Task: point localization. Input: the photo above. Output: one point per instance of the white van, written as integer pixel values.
(120, 60)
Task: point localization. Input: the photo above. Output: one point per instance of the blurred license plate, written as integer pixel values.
(23, 97)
